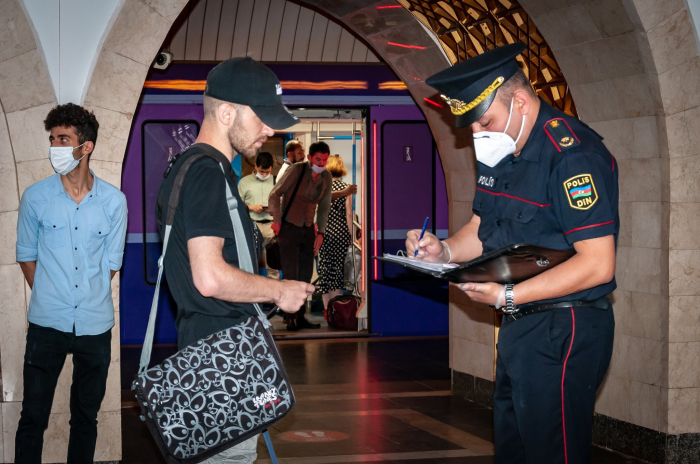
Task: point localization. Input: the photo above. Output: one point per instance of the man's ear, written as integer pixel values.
(226, 113)
(522, 101)
(87, 148)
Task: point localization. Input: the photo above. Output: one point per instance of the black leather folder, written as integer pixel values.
(511, 264)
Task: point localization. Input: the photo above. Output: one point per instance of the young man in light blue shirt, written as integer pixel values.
(70, 243)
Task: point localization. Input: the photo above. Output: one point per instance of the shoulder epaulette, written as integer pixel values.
(561, 134)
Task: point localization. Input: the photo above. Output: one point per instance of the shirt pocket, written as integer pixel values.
(97, 232)
(521, 219)
(55, 232)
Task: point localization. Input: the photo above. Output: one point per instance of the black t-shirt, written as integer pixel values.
(202, 211)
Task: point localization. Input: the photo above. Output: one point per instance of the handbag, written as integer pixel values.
(342, 312)
(221, 390)
(272, 249)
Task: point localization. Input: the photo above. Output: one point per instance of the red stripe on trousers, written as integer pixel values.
(563, 373)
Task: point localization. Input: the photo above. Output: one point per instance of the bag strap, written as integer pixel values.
(294, 193)
(244, 259)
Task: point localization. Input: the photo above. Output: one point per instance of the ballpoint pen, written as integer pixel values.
(422, 233)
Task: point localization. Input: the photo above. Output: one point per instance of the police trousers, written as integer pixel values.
(548, 369)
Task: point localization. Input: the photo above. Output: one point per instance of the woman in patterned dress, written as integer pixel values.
(337, 237)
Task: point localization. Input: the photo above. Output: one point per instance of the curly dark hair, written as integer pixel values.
(70, 114)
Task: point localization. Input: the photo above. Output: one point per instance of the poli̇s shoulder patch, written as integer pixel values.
(561, 134)
(580, 191)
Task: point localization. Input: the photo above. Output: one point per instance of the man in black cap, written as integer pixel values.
(242, 106)
(543, 178)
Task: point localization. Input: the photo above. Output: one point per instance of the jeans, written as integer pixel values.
(43, 361)
(297, 255)
(242, 453)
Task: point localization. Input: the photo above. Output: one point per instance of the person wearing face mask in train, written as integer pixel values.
(294, 201)
(70, 244)
(255, 189)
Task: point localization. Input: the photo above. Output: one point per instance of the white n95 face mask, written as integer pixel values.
(261, 176)
(318, 169)
(62, 159)
(492, 147)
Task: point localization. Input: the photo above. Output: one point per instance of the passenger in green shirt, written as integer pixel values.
(255, 189)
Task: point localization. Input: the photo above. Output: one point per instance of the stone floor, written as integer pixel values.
(358, 400)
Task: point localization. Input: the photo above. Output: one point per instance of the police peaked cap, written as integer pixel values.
(469, 87)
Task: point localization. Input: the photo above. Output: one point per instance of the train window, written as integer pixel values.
(160, 141)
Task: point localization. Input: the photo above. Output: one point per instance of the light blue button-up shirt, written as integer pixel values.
(75, 246)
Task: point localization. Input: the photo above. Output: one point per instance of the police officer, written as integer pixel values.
(543, 178)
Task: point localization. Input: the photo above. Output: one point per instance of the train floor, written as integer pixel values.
(358, 400)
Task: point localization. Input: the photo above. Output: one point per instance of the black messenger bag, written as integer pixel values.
(221, 390)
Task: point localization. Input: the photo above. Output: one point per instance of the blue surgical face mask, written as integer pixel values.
(62, 159)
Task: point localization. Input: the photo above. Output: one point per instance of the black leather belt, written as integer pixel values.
(264, 221)
(522, 311)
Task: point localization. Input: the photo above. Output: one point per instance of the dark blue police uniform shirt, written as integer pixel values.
(561, 189)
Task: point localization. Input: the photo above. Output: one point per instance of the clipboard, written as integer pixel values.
(508, 265)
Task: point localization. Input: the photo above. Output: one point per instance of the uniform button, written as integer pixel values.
(506, 186)
(520, 215)
(76, 249)
(77, 209)
(76, 268)
(480, 205)
(76, 286)
(54, 227)
(498, 223)
(76, 228)
(75, 307)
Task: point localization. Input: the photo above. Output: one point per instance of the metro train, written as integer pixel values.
(365, 113)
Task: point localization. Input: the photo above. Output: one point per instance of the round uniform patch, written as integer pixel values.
(580, 191)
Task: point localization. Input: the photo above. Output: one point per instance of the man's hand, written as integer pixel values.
(276, 228)
(429, 249)
(256, 208)
(488, 293)
(318, 242)
(293, 295)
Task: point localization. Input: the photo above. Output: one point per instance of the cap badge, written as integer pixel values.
(459, 107)
(278, 89)
(554, 123)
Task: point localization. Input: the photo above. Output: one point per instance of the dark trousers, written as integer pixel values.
(297, 254)
(548, 370)
(43, 361)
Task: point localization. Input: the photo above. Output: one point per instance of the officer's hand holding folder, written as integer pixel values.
(511, 264)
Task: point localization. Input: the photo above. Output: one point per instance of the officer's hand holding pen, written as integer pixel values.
(429, 248)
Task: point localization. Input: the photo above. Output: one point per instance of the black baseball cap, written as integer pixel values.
(246, 82)
(470, 87)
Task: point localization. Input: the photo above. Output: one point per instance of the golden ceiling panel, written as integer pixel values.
(467, 28)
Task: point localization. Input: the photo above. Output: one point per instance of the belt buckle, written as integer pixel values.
(512, 315)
